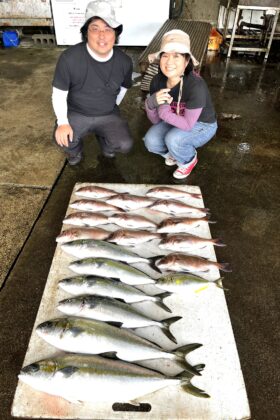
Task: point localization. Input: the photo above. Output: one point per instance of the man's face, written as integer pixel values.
(101, 37)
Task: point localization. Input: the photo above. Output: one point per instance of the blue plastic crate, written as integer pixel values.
(10, 39)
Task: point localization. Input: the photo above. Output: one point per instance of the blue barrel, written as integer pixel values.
(10, 39)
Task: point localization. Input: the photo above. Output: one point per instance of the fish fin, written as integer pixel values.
(163, 295)
(163, 306)
(169, 335)
(67, 371)
(219, 283)
(152, 262)
(120, 300)
(218, 242)
(187, 367)
(160, 297)
(115, 323)
(195, 195)
(224, 267)
(169, 321)
(184, 350)
(75, 331)
(110, 354)
(181, 353)
(186, 376)
(191, 389)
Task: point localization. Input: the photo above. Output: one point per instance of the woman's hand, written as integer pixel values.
(163, 97)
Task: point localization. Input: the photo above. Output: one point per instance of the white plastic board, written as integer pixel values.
(140, 19)
(205, 320)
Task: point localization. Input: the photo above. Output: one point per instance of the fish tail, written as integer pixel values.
(219, 283)
(207, 217)
(159, 298)
(185, 375)
(224, 267)
(181, 353)
(218, 242)
(195, 195)
(152, 262)
(193, 390)
(165, 328)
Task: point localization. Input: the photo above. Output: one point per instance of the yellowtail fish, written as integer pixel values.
(86, 248)
(81, 335)
(111, 310)
(93, 379)
(102, 286)
(113, 269)
(182, 283)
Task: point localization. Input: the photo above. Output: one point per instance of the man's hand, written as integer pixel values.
(63, 135)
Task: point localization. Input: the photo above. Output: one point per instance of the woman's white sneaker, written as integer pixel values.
(184, 170)
(170, 161)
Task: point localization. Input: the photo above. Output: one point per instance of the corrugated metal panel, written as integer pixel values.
(199, 35)
(25, 12)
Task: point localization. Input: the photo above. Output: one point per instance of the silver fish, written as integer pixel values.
(112, 310)
(80, 335)
(182, 283)
(94, 191)
(177, 207)
(93, 205)
(112, 269)
(86, 248)
(170, 192)
(130, 237)
(86, 218)
(189, 263)
(184, 242)
(131, 221)
(73, 234)
(182, 224)
(94, 379)
(101, 286)
(129, 201)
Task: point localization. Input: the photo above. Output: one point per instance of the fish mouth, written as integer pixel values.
(30, 369)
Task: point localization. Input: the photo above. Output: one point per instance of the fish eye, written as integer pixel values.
(46, 324)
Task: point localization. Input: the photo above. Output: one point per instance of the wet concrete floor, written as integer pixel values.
(240, 188)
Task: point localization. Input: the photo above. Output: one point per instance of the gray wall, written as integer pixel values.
(206, 10)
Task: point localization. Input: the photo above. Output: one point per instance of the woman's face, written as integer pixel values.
(173, 64)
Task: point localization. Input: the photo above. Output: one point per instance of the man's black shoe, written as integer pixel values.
(74, 160)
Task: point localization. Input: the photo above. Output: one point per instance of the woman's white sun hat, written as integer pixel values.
(174, 41)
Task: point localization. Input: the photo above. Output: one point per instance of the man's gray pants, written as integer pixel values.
(112, 133)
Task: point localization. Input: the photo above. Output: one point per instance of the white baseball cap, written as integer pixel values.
(104, 11)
